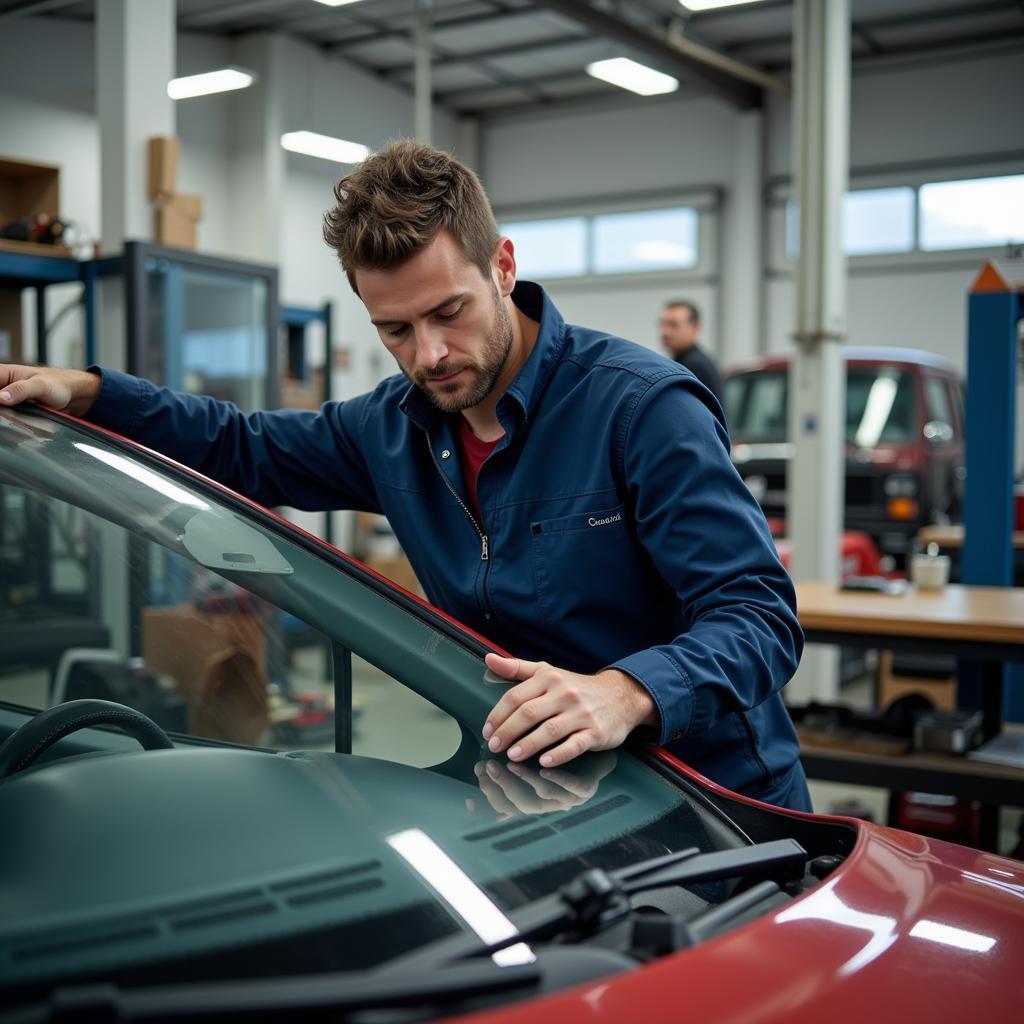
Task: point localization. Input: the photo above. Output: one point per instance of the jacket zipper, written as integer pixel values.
(485, 553)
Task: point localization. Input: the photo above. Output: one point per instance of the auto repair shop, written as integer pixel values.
(821, 201)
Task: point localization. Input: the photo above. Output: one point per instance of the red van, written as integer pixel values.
(904, 443)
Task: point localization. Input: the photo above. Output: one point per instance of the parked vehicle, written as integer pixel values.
(904, 445)
(199, 879)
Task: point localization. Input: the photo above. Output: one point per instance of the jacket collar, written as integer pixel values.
(529, 384)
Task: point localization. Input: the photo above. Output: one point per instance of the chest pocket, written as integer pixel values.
(583, 562)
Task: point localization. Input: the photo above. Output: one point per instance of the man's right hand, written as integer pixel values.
(71, 391)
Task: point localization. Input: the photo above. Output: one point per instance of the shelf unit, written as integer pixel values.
(24, 267)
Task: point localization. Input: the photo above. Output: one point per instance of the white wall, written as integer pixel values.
(660, 145)
(541, 165)
(915, 112)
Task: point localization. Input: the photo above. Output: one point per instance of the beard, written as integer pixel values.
(485, 369)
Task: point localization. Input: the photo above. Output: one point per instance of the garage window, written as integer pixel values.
(645, 240)
(623, 242)
(972, 213)
(875, 220)
(549, 248)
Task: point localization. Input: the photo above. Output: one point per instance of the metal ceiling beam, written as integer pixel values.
(538, 81)
(451, 59)
(666, 54)
(936, 47)
(440, 24)
(875, 25)
(496, 74)
(216, 15)
(35, 7)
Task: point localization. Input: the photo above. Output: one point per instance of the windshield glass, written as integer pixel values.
(880, 406)
(127, 580)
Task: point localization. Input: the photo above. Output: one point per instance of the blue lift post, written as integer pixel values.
(995, 309)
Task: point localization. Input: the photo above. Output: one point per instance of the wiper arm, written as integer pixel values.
(597, 898)
(290, 998)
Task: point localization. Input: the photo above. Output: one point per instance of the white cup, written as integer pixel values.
(930, 572)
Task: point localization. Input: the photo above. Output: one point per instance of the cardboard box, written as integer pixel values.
(301, 394)
(163, 166)
(218, 663)
(941, 691)
(177, 220)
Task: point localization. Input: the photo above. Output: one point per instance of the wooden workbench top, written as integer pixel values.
(957, 612)
(952, 536)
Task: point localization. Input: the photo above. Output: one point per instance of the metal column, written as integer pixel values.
(821, 121)
(422, 44)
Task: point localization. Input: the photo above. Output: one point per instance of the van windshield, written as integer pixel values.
(880, 406)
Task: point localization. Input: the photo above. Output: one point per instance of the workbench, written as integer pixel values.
(985, 624)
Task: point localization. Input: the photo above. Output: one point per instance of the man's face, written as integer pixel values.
(678, 330)
(443, 321)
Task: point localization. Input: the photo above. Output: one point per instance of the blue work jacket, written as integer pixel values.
(614, 529)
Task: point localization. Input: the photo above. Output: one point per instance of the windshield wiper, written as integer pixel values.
(597, 898)
(286, 998)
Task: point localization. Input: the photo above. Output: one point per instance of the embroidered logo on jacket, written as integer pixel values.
(617, 518)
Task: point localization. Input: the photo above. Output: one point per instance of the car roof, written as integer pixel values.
(855, 354)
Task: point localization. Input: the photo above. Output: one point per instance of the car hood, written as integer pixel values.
(907, 928)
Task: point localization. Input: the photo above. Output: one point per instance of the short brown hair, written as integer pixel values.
(398, 199)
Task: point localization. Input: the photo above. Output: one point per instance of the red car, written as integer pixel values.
(400, 872)
(904, 440)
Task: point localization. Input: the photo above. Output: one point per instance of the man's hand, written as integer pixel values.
(513, 789)
(71, 391)
(568, 712)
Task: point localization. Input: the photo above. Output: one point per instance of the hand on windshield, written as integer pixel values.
(564, 711)
(523, 789)
(71, 391)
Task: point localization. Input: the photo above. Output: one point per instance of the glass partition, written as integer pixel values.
(202, 324)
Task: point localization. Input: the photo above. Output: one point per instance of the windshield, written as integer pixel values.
(880, 406)
(130, 581)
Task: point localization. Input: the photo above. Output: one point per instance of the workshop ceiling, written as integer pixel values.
(490, 56)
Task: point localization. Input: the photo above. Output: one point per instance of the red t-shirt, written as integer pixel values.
(472, 453)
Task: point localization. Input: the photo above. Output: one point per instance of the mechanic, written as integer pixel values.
(679, 329)
(568, 494)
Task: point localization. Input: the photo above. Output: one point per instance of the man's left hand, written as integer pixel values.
(564, 711)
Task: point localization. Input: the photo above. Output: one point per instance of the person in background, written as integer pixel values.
(679, 327)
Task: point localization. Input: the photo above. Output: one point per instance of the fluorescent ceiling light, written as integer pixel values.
(325, 147)
(223, 80)
(628, 74)
(710, 5)
(336, 3)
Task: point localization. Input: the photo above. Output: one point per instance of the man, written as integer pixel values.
(567, 494)
(679, 327)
